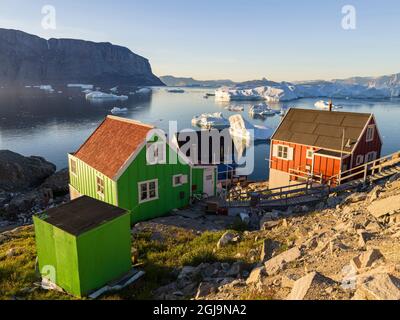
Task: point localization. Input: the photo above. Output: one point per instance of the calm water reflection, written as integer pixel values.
(51, 125)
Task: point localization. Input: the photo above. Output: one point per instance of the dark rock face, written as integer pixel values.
(28, 59)
(58, 183)
(18, 172)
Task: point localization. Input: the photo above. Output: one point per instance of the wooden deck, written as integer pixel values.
(309, 193)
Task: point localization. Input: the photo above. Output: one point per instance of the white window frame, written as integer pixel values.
(98, 190)
(147, 183)
(360, 160)
(370, 133)
(284, 150)
(73, 161)
(183, 180)
(375, 155)
(308, 152)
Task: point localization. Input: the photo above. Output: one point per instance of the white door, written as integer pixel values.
(209, 182)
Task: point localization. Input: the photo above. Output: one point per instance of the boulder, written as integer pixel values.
(18, 173)
(313, 286)
(226, 239)
(385, 206)
(367, 259)
(364, 236)
(58, 183)
(379, 287)
(235, 269)
(268, 248)
(204, 289)
(356, 197)
(256, 275)
(277, 263)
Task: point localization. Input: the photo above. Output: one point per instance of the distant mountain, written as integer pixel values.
(28, 59)
(172, 81)
(390, 82)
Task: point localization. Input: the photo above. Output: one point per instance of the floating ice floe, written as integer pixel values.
(176, 91)
(144, 91)
(101, 96)
(261, 110)
(81, 86)
(324, 105)
(45, 87)
(211, 120)
(242, 129)
(119, 110)
(235, 108)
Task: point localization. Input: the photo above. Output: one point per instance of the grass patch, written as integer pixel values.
(160, 259)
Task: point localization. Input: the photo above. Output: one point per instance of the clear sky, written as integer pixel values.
(236, 39)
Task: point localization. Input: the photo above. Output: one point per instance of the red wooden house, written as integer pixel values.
(320, 145)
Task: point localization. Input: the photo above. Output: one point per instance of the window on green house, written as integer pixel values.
(73, 167)
(148, 191)
(179, 180)
(100, 186)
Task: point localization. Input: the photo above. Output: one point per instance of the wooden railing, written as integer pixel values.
(281, 194)
(369, 168)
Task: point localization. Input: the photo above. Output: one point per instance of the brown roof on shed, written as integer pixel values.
(322, 129)
(81, 215)
(112, 144)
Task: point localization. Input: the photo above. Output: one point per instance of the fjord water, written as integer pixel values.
(33, 122)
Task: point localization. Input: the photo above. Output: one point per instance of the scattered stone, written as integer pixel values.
(58, 183)
(385, 206)
(379, 287)
(313, 286)
(267, 250)
(226, 239)
(256, 275)
(235, 269)
(205, 288)
(268, 225)
(367, 259)
(11, 253)
(356, 197)
(364, 236)
(277, 263)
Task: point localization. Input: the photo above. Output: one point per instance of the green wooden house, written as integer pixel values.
(113, 166)
(83, 245)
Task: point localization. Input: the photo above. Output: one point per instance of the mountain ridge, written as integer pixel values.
(30, 59)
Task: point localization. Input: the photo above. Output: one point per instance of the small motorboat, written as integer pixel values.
(261, 110)
(119, 110)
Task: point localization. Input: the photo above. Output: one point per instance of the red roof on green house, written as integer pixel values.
(112, 144)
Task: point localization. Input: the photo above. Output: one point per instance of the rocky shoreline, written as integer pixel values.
(28, 185)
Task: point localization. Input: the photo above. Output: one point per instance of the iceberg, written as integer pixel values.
(45, 87)
(211, 120)
(118, 110)
(227, 94)
(235, 108)
(242, 129)
(144, 91)
(261, 110)
(101, 96)
(324, 105)
(81, 86)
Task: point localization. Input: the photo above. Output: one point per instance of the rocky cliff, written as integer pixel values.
(28, 59)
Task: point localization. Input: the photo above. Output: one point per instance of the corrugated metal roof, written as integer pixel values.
(81, 215)
(322, 129)
(112, 144)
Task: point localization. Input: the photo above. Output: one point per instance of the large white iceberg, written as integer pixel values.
(211, 120)
(286, 91)
(101, 96)
(242, 129)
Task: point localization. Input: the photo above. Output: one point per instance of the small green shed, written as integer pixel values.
(83, 245)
